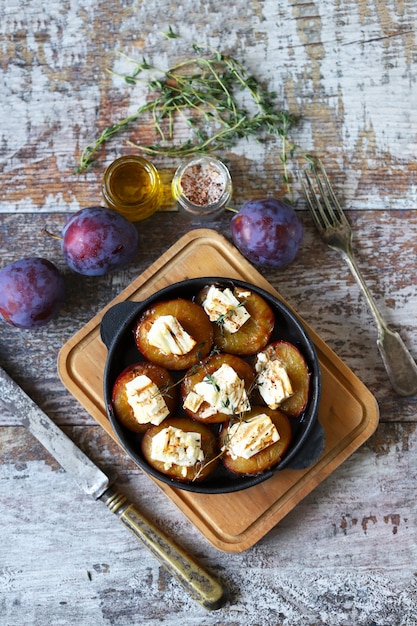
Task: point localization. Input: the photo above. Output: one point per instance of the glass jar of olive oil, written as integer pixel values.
(202, 186)
(132, 187)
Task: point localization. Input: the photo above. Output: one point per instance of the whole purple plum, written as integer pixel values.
(31, 292)
(267, 232)
(96, 240)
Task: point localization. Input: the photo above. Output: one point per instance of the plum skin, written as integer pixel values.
(31, 292)
(267, 232)
(97, 240)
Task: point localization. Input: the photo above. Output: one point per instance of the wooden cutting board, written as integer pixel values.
(348, 411)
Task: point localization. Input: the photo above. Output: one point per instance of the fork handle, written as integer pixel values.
(399, 364)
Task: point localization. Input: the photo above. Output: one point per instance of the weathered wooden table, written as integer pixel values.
(347, 553)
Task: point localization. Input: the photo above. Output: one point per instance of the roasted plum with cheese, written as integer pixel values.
(143, 394)
(182, 449)
(256, 442)
(243, 320)
(217, 388)
(243, 366)
(282, 378)
(175, 334)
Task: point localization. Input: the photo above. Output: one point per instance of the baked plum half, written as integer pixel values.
(257, 442)
(217, 388)
(294, 377)
(181, 448)
(143, 393)
(175, 334)
(243, 321)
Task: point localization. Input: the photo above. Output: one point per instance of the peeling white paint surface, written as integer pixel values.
(346, 554)
(349, 69)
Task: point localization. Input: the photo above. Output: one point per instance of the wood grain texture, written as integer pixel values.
(348, 413)
(347, 553)
(347, 69)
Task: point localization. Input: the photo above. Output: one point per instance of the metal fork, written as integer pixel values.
(335, 230)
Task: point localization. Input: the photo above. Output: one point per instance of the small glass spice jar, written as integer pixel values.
(202, 186)
(132, 187)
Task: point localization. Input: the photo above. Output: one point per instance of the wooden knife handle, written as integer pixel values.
(196, 581)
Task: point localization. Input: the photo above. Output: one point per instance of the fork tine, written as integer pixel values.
(324, 206)
(316, 209)
(334, 207)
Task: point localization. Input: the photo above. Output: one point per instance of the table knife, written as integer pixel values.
(198, 583)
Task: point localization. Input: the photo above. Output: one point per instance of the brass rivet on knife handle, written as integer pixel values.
(114, 500)
(204, 588)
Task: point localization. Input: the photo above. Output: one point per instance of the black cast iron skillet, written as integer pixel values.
(116, 331)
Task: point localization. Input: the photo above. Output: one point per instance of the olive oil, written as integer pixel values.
(132, 187)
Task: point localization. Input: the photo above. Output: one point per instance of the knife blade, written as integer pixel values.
(198, 583)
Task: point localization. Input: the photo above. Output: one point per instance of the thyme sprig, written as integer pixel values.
(214, 95)
(209, 378)
(220, 321)
(227, 439)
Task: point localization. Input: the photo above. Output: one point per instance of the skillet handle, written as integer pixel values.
(116, 319)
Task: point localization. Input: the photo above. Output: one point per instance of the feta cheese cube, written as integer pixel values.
(167, 334)
(223, 391)
(273, 381)
(223, 307)
(247, 438)
(146, 400)
(174, 446)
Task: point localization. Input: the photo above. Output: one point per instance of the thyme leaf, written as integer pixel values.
(212, 381)
(224, 316)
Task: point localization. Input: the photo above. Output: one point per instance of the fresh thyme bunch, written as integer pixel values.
(215, 96)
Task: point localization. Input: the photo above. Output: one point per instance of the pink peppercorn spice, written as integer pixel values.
(202, 186)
